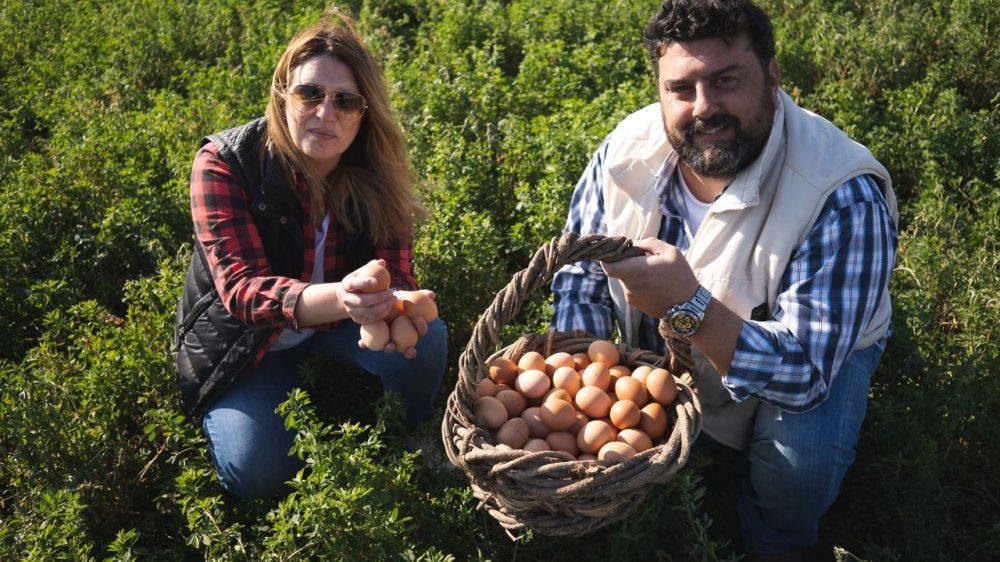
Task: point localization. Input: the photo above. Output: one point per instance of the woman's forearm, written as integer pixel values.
(319, 304)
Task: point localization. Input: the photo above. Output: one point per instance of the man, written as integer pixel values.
(770, 238)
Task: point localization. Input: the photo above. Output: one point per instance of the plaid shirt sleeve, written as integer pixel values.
(829, 293)
(580, 290)
(399, 261)
(224, 226)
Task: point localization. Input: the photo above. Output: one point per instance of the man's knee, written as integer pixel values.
(796, 486)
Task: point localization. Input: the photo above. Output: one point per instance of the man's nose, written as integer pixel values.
(705, 103)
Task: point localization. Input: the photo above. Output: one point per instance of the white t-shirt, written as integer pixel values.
(696, 210)
(289, 337)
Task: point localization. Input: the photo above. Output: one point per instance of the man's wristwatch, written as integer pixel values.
(684, 319)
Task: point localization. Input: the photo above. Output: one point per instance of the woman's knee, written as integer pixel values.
(251, 460)
(436, 337)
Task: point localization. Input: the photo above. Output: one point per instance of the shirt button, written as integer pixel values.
(283, 220)
(261, 207)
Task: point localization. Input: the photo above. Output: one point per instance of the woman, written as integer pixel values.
(286, 209)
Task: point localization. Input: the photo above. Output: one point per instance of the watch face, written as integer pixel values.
(684, 324)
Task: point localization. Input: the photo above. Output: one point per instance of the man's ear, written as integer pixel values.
(774, 73)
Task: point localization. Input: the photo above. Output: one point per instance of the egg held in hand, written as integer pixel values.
(417, 303)
(378, 272)
(375, 336)
(403, 333)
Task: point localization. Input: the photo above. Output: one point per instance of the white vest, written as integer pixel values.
(743, 246)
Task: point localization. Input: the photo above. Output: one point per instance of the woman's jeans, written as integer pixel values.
(798, 461)
(248, 440)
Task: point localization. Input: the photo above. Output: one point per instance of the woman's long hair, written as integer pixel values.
(371, 190)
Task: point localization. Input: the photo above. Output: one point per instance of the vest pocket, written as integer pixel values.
(199, 307)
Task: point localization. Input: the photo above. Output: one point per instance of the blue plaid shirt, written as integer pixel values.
(826, 298)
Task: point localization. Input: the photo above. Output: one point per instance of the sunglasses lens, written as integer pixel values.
(349, 102)
(308, 96)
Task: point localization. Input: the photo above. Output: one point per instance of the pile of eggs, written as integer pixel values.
(584, 404)
(398, 326)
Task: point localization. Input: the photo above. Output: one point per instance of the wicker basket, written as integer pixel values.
(551, 493)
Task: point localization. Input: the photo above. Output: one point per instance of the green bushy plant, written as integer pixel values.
(502, 104)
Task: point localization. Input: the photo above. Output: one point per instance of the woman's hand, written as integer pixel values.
(361, 306)
(331, 302)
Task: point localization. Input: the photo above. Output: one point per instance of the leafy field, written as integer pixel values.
(103, 104)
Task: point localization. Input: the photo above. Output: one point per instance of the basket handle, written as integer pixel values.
(548, 259)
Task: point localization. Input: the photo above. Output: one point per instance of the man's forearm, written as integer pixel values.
(717, 337)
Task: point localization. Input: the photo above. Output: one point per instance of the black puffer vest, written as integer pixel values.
(210, 346)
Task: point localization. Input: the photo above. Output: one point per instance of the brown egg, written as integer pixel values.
(593, 436)
(490, 411)
(596, 374)
(536, 426)
(531, 361)
(581, 360)
(379, 273)
(556, 360)
(661, 386)
(603, 351)
(619, 371)
(586, 457)
(562, 441)
(624, 414)
(535, 445)
(653, 420)
(502, 371)
(512, 401)
(557, 394)
(636, 438)
(513, 433)
(627, 388)
(593, 401)
(395, 312)
(558, 415)
(532, 383)
(567, 379)
(375, 335)
(616, 451)
(404, 333)
(416, 303)
(581, 420)
(486, 387)
(641, 372)
(614, 430)
(501, 387)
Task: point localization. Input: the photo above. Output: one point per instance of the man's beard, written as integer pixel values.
(725, 159)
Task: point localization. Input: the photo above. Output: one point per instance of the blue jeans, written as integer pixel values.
(248, 440)
(798, 461)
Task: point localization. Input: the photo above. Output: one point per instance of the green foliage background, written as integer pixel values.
(502, 104)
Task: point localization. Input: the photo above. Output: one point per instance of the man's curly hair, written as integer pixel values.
(687, 20)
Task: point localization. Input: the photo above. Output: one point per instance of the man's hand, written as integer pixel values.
(654, 282)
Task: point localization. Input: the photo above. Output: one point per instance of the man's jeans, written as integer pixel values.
(248, 440)
(798, 461)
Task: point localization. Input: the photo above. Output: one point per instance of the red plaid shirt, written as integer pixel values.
(249, 290)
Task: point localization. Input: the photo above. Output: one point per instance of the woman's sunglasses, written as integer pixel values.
(307, 97)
